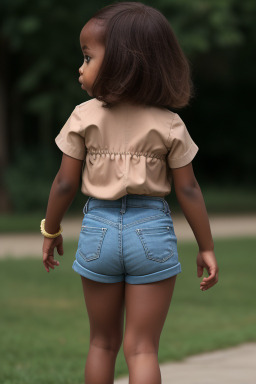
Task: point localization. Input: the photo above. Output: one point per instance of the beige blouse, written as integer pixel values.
(127, 149)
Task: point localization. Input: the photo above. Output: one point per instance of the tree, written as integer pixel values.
(39, 80)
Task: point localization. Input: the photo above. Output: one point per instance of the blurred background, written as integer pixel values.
(43, 317)
(40, 57)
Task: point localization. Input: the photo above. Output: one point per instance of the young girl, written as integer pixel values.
(129, 147)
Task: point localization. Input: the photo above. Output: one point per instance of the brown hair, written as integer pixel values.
(143, 61)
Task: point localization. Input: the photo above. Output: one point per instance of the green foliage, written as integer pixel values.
(29, 178)
(205, 25)
(40, 41)
(45, 36)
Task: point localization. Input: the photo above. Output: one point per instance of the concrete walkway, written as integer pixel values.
(235, 365)
(30, 245)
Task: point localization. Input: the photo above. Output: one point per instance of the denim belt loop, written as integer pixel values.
(85, 209)
(123, 208)
(166, 207)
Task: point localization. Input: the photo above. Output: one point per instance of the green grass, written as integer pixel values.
(45, 327)
(220, 200)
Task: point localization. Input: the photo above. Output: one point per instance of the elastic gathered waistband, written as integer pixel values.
(130, 200)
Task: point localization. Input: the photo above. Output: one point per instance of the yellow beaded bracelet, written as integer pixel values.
(49, 235)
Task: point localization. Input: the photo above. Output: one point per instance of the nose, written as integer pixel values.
(80, 70)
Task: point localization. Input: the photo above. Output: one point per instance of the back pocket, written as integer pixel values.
(157, 242)
(90, 242)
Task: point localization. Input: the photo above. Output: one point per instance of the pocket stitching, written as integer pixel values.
(97, 253)
(147, 251)
(162, 229)
(100, 219)
(97, 228)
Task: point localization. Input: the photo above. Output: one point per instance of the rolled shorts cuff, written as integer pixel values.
(140, 279)
(96, 276)
(152, 277)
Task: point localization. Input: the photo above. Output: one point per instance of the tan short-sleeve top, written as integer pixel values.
(128, 149)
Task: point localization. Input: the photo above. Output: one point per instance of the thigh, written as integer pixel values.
(105, 307)
(146, 306)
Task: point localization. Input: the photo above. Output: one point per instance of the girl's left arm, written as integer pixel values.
(63, 191)
(191, 200)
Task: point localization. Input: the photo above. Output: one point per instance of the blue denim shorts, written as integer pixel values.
(131, 239)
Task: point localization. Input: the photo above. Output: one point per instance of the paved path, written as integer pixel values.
(19, 245)
(235, 365)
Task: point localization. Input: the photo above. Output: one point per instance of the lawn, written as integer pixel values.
(45, 329)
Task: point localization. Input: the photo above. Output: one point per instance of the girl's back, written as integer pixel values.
(129, 148)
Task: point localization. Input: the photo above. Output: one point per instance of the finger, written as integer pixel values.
(50, 264)
(204, 284)
(45, 256)
(207, 283)
(46, 267)
(208, 286)
(200, 271)
(46, 259)
(210, 277)
(60, 249)
(52, 261)
(47, 253)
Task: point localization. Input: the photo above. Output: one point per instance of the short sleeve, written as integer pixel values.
(182, 148)
(70, 139)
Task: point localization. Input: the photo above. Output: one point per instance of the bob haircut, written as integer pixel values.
(143, 62)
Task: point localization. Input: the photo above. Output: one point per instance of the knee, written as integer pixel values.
(133, 345)
(111, 344)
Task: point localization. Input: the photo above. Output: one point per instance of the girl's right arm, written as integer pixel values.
(191, 200)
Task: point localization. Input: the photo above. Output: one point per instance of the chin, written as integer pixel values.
(83, 87)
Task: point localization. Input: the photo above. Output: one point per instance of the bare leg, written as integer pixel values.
(105, 307)
(146, 310)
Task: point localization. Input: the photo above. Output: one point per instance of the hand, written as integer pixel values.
(48, 251)
(206, 259)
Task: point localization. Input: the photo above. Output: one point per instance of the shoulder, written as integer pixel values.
(165, 116)
(91, 104)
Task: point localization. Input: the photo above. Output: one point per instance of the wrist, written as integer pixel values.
(49, 235)
(206, 248)
(51, 230)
